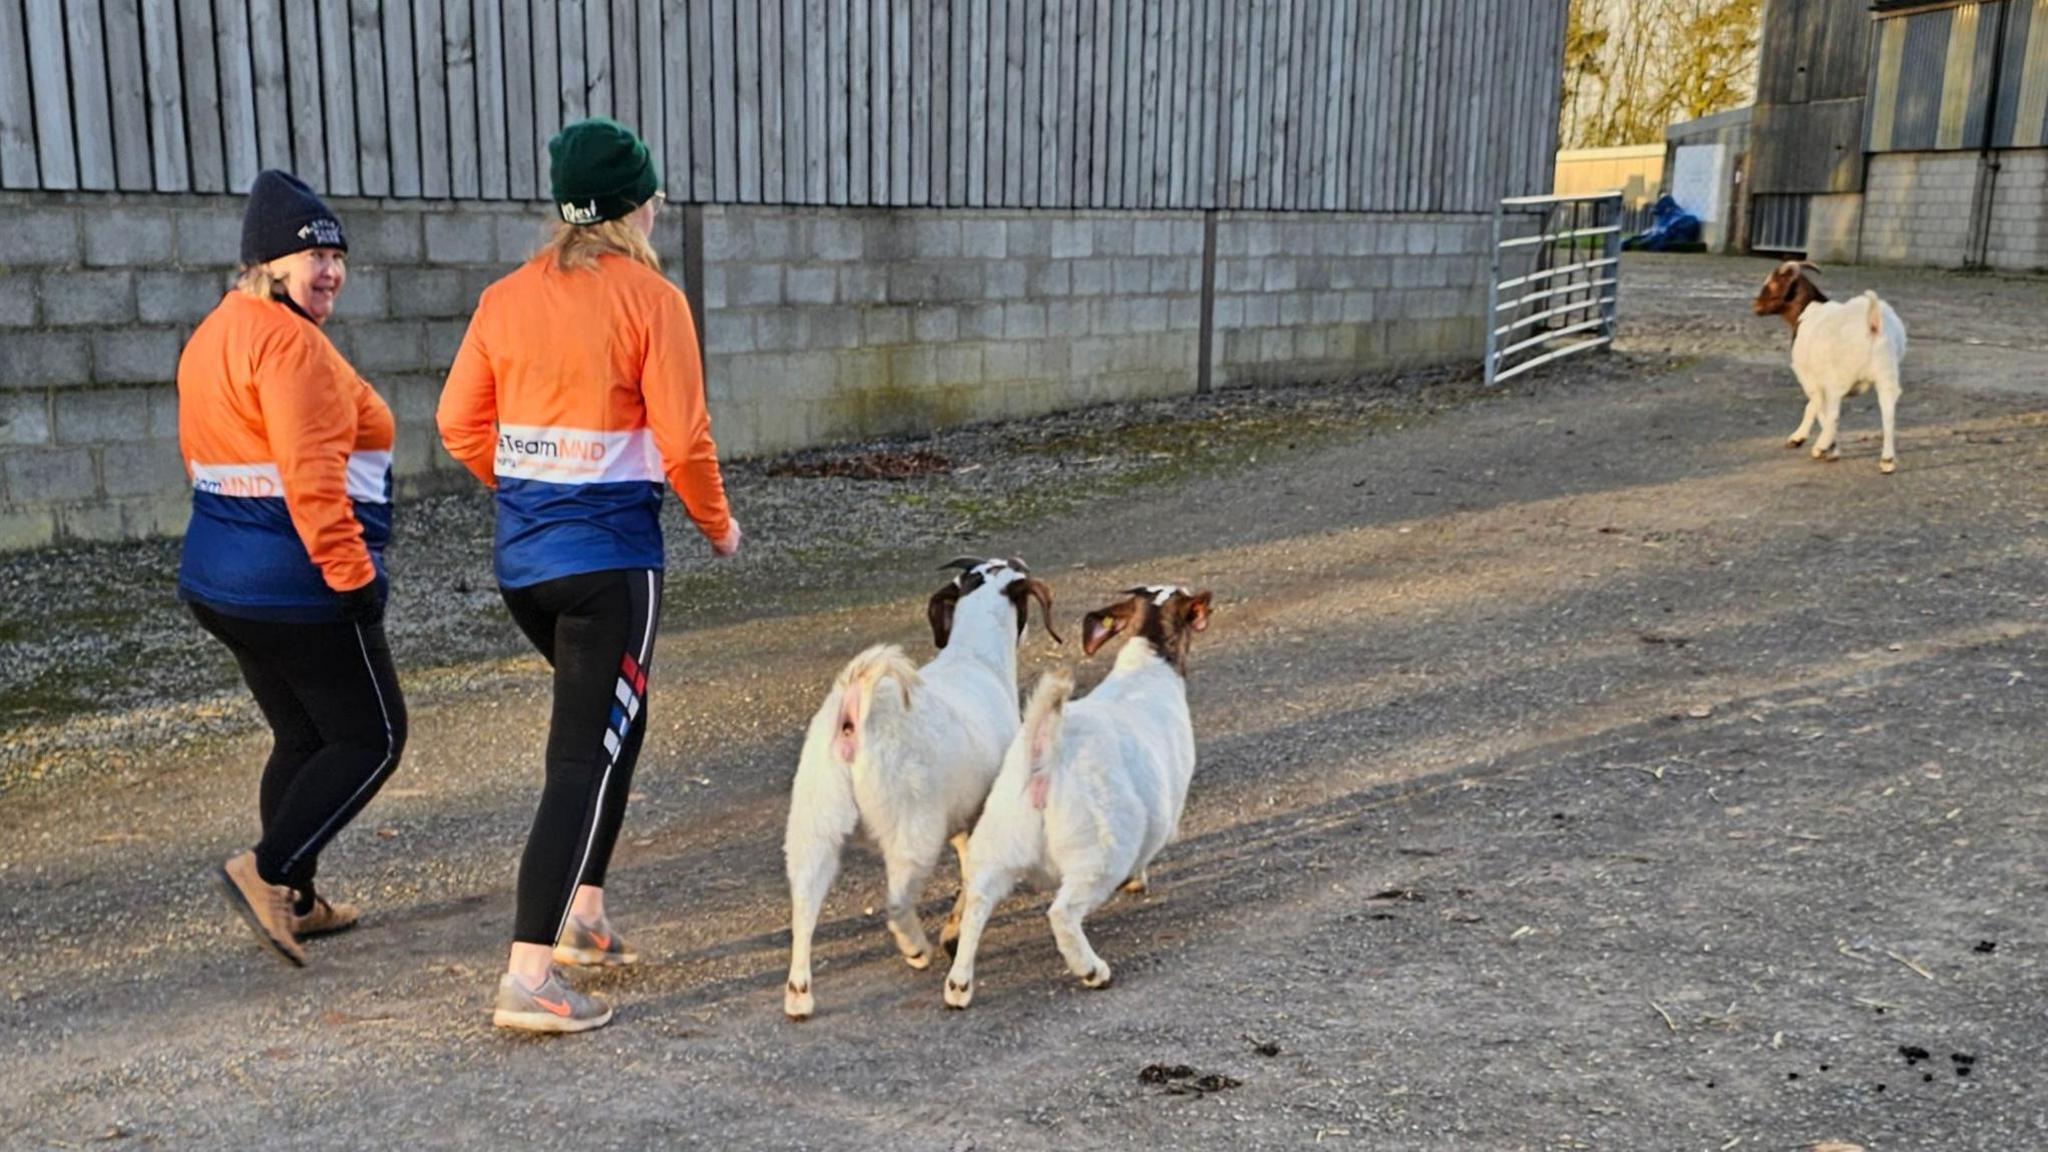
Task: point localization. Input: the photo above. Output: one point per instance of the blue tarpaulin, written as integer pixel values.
(1672, 225)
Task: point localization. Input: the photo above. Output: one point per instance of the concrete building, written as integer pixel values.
(1903, 131)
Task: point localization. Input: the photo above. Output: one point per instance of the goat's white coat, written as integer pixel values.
(929, 743)
(1843, 348)
(1113, 770)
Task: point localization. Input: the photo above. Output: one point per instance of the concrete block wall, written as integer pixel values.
(2019, 212)
(819, 325)
(1301, 297)
(836, 324)
(1916, 207)
(1834, 227)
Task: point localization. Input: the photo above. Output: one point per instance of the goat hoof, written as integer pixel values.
(798, 1004)
(959, 994)
(1794, 441)
(1097, 979)
(1138, 885)
(919, 961)
(1887, 466)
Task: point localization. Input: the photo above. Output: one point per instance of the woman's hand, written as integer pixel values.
(728, 544)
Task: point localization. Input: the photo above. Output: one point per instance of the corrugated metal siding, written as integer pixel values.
(1931, 75)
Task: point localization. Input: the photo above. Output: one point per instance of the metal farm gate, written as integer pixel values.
(1555, 281)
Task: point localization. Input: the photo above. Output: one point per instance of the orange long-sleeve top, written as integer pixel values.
(572, 394)
(289, 454)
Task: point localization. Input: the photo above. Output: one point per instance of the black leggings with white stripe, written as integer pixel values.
(597, 631)
(337, 719)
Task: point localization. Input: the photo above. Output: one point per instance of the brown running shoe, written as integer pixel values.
(267, 908)
(325, 919)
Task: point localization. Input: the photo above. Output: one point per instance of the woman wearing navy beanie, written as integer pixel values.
(289, 453)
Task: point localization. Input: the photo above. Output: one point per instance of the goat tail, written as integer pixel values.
(859, 686)
(1045, 719)
(1873, 313)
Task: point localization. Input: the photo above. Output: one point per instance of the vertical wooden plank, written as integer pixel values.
(521, 180)
(402, 114)
(1331, 105)
(373, 146)
(1130, 89)
(1393, 113)
(769, 104)
(942, 81)
(1013, 105)
(1095, 90)
(201, 78)
(1083, 115)
(879, 92)
(1237, 66)
(1294, 110)
(1308, 168)
(598, 99)
(1056, 47)
(545, 52)
(919, 121)
(792, 97)
(1216, 141)
(703, 81)
(128, 97)
(269, 99)
(725, 109)
(1150, 118)
(337, 100)
(50, 78)
(430, 84)
(899, 102)
(643, 60)
(571, 27)
(873, 128)
(859, 130)
(237, 93)
(169, 158)
(87, 56)
(18, 167)
(818, 141)
(458, 43)
(675, 100)
(1246, 123)
(745, 26)
(1066, 134)
(625, 63)
(1033, 41)
(958, 53)
(976, 117)
(488, 35)
(1182, 113)
(839, 100)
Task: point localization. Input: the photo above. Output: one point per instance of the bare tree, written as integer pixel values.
(1633, 67)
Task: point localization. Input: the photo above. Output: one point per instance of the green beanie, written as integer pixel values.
(598, 170)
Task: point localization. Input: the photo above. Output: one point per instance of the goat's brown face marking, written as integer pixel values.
(1788, 291)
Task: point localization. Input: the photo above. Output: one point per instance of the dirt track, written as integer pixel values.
(1579, 769)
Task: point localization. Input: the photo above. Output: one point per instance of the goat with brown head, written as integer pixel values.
(1010, 576)
(1166, 616)
(1788, 292)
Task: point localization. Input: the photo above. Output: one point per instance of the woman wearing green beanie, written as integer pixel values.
(577, 391)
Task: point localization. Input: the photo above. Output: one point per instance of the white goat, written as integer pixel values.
(1838, 350)
(1090, 790)
(911, 760)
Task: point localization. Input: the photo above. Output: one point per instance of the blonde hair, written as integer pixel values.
(256, 280)
(577, 246)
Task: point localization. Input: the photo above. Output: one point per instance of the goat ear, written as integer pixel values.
(1098, 627)
(1021, 593)
(1196, 613)
(939, 610)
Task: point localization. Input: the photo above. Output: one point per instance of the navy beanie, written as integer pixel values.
(283, 217)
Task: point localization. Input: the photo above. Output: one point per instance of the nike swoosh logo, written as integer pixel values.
(559, 1008)
(602, 940)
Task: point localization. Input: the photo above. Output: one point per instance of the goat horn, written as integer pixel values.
(964, 563)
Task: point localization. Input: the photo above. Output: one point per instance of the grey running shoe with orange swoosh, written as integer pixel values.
(552, 1007)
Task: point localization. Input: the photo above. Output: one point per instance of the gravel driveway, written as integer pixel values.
(1579, 769)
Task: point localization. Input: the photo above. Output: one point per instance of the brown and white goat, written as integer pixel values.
(1838, 350)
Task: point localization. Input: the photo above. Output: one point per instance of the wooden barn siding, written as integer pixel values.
(1306, 105)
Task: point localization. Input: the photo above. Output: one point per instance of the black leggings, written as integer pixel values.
(337, 718)
(597, 631)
